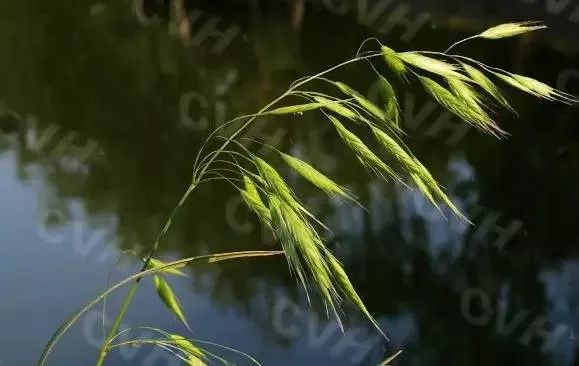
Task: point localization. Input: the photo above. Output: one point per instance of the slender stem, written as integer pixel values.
(133, 290)
(130, 295)
(459, 42)
(277, 100)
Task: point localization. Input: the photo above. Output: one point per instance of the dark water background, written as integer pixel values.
(104, 105)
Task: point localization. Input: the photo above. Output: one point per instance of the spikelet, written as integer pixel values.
(422, 178)
(437, 193)
(511, 30)
(316, 178)
(537, 88)
(289, 248)
(486, 84)
(468, 113)
(275, 184)
(472, 99)
(293, 109)
(402, 156)
(253, 200)
(392, 108)
(337, 108)
(348, 289)
(393, 61)
(363, 102)
(387, 362)
(369, 107)
(156, 263)
(432, 65)
(194, 355)
(368, 159)
(295, 233)
(168, 297)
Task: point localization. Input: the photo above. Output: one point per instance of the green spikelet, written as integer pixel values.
(486, 84)
(169, 298)
(368, 159)
(422, 178)
(253, 200)
(511, 30)
(432, 65)
(537, 88)
(316, 178)
(472, 100)
(293, 232)
(468, 113)
(348, 289)
(300, 108)
(363, 102)
(393, 61)
(392, 108)
(338, 108)
(275, 182)
(369, 107)
(194, 355)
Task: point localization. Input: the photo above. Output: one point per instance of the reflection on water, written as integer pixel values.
(102, 110)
